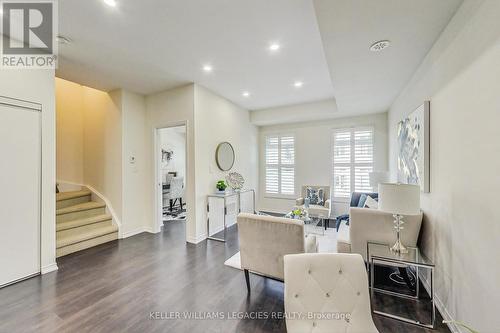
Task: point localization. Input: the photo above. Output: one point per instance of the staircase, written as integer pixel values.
(81, 223)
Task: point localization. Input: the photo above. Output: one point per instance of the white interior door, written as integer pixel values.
(20, 178)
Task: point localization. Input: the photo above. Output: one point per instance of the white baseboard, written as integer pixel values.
(49, 268)
(136, 232)
(109, 207)
(440, 307)
(65, 186)
(196, 240)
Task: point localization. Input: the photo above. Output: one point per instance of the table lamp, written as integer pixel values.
(399, 200)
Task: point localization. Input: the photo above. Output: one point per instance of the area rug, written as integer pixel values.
(326, 244)
(174, 216)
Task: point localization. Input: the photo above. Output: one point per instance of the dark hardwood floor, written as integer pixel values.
(116, 286)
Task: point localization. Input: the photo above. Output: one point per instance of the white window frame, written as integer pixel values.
(352, 164)
(279, 165)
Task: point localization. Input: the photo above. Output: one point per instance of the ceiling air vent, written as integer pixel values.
(380, 45)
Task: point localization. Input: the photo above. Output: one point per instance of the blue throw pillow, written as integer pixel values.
(362, 200)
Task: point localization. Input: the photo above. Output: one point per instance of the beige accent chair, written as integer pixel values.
(327, 284)
(264, 240)
(318, 210)
(372, 225)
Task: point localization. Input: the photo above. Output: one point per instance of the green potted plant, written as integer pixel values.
(221, 186)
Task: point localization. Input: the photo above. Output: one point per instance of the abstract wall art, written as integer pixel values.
(413, 148)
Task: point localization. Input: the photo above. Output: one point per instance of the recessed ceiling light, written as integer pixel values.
(380, 45)
(298, 84)
(111, 3)
(208, 68)
(274, 47)
(63, 40)
(245, 94)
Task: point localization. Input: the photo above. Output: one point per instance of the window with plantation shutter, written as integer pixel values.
(280, 164)
(352, 161)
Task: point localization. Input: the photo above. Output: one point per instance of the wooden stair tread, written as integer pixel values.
(71, 195)
(81, 222)
(67, 237)
(62, 251)
(80, 207)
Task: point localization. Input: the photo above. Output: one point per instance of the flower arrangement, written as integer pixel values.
(298, 213)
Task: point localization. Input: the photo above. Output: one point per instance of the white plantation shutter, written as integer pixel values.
(363, 159)
(341, 164)
(280, 164)
(352, 161)
(272, 165)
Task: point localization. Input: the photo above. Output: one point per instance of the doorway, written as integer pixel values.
(171, 158)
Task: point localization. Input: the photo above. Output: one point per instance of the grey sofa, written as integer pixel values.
(355, 196)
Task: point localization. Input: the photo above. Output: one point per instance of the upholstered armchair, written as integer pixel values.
(322, 207)
(372, 225)
(330, 284)
(265, 240)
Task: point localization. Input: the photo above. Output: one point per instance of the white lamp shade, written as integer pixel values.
(400, 199)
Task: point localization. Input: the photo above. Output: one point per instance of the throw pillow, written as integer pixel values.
(362, 200)
(371, 203)
(316, 196)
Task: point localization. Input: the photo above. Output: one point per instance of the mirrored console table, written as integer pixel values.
(223, 208)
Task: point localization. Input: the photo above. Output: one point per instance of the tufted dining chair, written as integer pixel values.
(175, 193)
(327, 292)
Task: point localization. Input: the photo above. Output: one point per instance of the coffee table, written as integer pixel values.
(313, 224)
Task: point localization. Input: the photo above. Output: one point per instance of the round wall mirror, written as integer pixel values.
(224, 156)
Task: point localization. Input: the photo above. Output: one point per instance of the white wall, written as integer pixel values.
(97, 134)
(171, 108)
(314, 111)
(102, 144)
(218, 120)
(69, 131)
(460, 76)
(210, 120)
(313, 164)
(38, 86)
(137, 212)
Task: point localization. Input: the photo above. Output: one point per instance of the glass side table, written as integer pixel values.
(381, 254)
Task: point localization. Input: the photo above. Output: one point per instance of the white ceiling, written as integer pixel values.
(148, 46)
(151, 45)
(365, 81)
